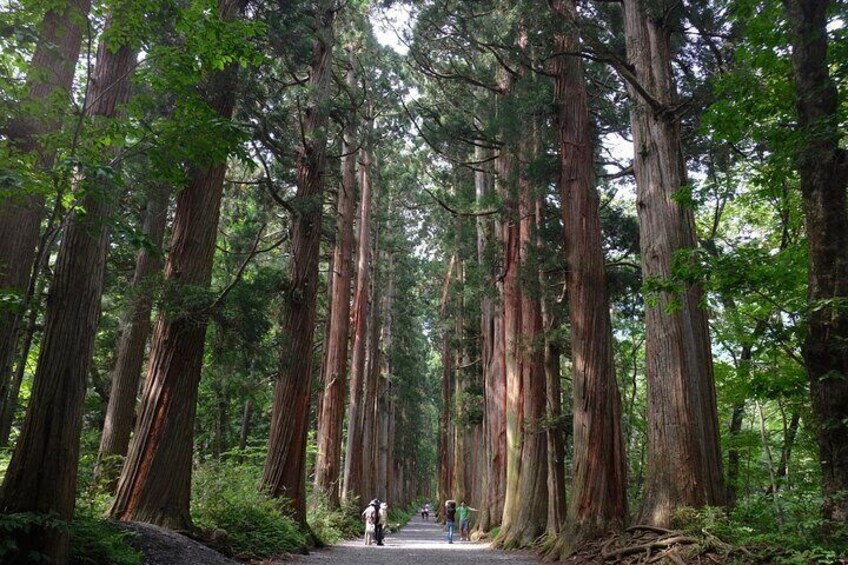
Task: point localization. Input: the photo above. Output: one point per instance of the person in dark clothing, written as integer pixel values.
(382, 523)
(379, 521)
(450, 518)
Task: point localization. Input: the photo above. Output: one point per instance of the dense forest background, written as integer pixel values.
(583, 264)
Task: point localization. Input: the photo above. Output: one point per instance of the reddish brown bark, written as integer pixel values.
(42, 474)
(51, 72)
(494, 439)
(459, 351)
(514, 412)
(821, 163)
(120, 411)
(684, 463)
(384, 394)
(372, 376)
(553, 388)
(155, 482)
(598, 500)
(331, 417)
(446, 451)
(530, 514)
(495, 404)
(353, 486)
(285, 468)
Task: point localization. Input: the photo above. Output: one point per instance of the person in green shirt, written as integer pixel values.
(464, 514)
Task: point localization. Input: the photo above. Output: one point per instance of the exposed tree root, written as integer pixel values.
(648, 547)
(645, 545)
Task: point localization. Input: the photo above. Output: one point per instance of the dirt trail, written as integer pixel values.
(419, 542)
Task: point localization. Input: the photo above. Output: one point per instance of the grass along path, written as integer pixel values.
(419, 542)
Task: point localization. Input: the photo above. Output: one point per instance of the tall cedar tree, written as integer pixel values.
(384, 398)
(531, 519)
(598, 498)
(446, 451)
(511, 304)
(120, 411)
(353, 469)
(155, 483)
(42, 474)
(821, 162)
(327, 467)
(372, 349)
(50, 77)
(684, 461)
(491, 352)
(285, 468)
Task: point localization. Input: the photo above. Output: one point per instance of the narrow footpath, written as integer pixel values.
(419, 542)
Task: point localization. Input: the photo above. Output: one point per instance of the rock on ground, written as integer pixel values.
(164, 547)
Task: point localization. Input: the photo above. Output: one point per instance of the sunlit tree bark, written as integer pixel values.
(285, 467)
(684, 461)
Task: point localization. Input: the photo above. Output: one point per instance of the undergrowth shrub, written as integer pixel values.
(13, 523)
(93, 540)
(783, 530)
(243, 522)
(332, 526)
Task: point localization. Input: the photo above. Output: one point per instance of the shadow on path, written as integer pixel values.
(419, 542)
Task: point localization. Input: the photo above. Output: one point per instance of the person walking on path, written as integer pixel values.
(370, 514)
(464, 515)
(382, 520)
(450, 518)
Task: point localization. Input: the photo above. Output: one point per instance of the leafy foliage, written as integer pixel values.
(242, 521)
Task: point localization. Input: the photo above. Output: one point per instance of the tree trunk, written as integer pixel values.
(531, 510)
(384, 410)
(155, 483)
(684, 466)
(246, 423)
(789, 434)
(372, 372)
(120, 411)
(220, 442)
(491, 501)
(821, 163)
(514, 413)
(461, 448)
(495, 409)
(737, 413)
(446, 452)
(331, 418)
(38, 283)
(285, 468)
(553, 389)
(42, 474)
(598, 500)
(353, 486)
(51, 72)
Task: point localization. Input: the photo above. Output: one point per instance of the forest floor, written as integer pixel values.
(418, 542)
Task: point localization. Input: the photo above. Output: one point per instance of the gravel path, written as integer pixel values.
(419, 542)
